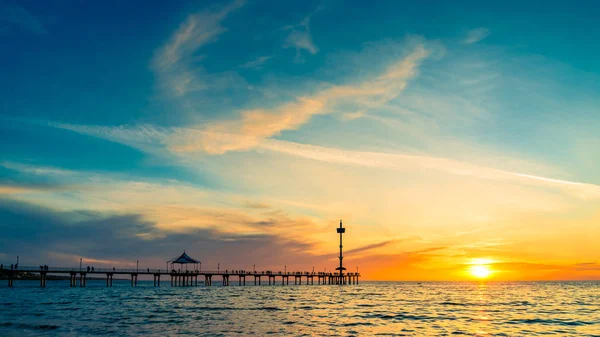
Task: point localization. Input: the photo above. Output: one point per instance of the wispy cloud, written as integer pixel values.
(22, 18)
(300, 38)
(175, 61)
(256, 63)
(14, 190)
(37, 170)
(476, 35)
(371, 247)
(257, 124)
(400, 161)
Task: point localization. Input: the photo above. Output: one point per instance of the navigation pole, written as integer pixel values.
(341, 268)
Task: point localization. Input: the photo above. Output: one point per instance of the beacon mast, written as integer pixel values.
(341, 268)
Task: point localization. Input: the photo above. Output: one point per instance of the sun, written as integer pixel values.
(480, 271)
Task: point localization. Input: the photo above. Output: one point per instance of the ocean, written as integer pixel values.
(366, 309)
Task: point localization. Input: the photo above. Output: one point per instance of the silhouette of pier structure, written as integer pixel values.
(181, 277)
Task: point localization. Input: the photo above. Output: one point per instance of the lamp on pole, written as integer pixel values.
(285, 269)
(137, 265)
(200, 270)
(313, 269)
(80, 262)
(254, 268)
(218, 267)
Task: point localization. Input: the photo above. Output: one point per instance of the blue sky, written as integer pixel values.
(260, 120)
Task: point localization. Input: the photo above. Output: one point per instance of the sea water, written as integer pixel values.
(366, 309)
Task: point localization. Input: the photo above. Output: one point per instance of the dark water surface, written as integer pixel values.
(367, 309)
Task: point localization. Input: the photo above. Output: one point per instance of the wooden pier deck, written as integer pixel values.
(179, 278)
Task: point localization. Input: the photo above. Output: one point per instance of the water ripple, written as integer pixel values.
(368, 309)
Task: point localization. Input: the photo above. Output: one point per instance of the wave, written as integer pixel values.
(29, 326)
(455, 304)
(548, 322)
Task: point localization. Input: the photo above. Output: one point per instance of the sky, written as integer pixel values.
(445, 136)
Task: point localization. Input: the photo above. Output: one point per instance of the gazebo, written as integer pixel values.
(183, 259)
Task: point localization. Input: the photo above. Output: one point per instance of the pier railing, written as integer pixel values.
(94, 270)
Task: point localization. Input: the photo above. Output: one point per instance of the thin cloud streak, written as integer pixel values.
(476, 35)
(256, 63)
(399, 161)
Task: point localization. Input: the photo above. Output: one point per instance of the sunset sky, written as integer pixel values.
(446, 137)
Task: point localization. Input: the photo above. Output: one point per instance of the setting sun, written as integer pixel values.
(480, 271)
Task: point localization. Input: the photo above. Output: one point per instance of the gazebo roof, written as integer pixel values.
(183, 259)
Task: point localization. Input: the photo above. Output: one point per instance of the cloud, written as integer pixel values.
(20, 17)
(256, 63)
(168, 203)
(43, 235)
(371, 247)
(399, 161)
(175, 61)
(300, 38)
(14, 190)
(37, 170)
(476, 35)
(254, 125)
(148, 138)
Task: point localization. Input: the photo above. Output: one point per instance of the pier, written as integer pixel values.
(181, 277)
(188, 278)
